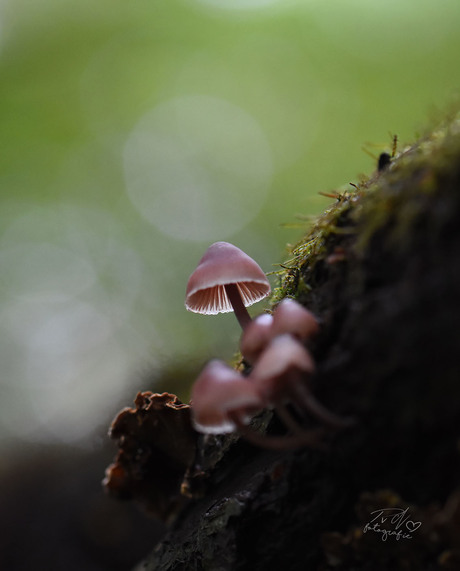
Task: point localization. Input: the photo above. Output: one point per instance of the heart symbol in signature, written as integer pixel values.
(413, 525)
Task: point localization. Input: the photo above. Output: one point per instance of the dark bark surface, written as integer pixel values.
(381, 270)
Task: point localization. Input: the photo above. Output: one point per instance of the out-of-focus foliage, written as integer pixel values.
(134, 134)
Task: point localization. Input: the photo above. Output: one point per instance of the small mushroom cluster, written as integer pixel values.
(223, 400)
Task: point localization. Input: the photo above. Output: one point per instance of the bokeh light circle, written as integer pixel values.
(198, 168)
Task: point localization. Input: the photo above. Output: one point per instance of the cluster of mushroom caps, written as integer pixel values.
(224, 400)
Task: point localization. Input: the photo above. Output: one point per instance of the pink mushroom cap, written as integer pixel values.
(224, 264)
(283, 362)
(218, 392)
(256, 337)
(291, 317)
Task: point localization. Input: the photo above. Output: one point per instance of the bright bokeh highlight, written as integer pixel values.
(198, 168)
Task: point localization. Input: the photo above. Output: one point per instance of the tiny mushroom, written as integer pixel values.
(281, 375)
(281, 367)
(221, 396)
(288, 317)
(226, 279)
(224, 401)
(256, 336)
(291, 317)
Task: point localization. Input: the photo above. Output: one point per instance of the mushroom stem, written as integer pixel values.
(309, 402)
(288, 419)
(241, 313)
(310, 438)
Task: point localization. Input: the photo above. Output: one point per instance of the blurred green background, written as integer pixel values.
(134, 134)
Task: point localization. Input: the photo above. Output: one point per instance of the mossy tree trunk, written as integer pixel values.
(381, 270)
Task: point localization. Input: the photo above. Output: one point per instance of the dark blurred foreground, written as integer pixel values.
(55, 515)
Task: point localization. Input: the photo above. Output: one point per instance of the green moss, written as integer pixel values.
(391, 201)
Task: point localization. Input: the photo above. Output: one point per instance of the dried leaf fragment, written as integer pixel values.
(156, 446)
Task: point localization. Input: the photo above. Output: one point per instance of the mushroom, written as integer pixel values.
(288, 317)
(222, 399)
(256, 337)
(291, 317)
(226, 279)
(282, 365)
(281, 375)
